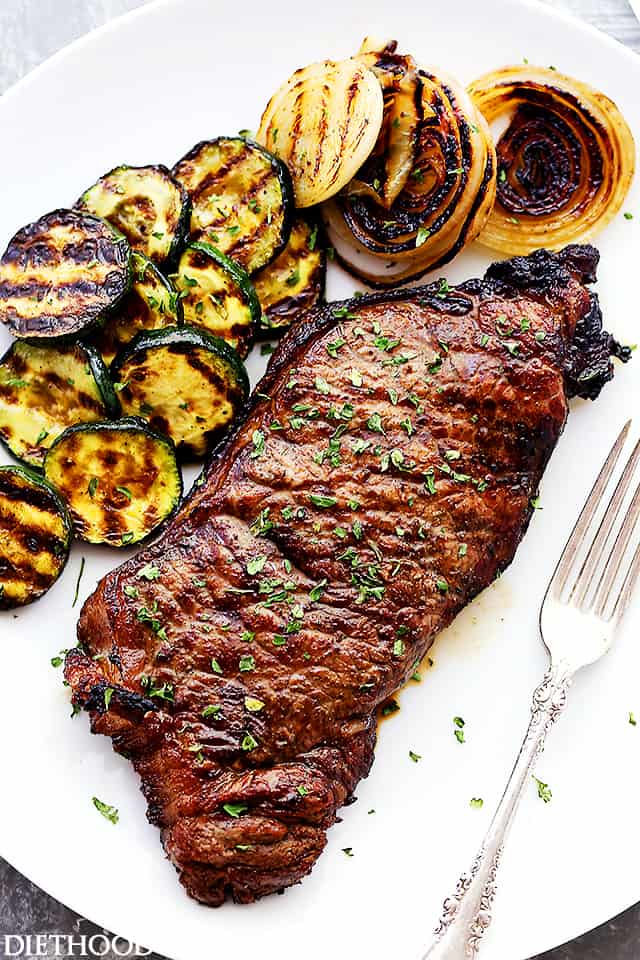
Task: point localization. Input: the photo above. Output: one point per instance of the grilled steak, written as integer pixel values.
(382, 476)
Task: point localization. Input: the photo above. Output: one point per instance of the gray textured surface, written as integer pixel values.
(31, 30)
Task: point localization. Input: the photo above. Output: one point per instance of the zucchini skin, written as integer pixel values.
(193, 435)
(41, 494)
(182, 227)
(47, 395)
(133, 313)
(103, 380)
(124, 426)
(101, 257)
(279, 170)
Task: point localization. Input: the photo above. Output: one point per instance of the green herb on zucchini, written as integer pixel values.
(35, 536)
(208, 385)
(125, 454)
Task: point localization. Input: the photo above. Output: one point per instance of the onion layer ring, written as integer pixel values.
(565, 161)
(429, 185)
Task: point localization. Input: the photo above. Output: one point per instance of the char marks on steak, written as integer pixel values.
(383, 476)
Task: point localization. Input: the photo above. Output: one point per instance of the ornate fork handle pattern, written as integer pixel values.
(467, 913)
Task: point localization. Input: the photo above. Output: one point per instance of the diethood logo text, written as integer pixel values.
(67, 945)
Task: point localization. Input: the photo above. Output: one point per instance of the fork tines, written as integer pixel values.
(591, 584)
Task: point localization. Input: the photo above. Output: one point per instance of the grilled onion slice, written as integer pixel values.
(566, 159)
(429, 184)
(323, 122)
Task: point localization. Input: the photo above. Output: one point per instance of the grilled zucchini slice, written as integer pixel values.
(147, 205)
(60, 275)
(120, 480)
(35, 536)
(151, 303)
(242, 199)
(217, 295)
(208, 385)
(44, 390)
(294, 282)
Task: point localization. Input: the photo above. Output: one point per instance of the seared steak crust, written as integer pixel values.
(382, 476)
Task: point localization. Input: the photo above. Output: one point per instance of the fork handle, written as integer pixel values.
(467, 913)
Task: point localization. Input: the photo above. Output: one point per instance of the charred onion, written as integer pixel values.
(565, 161)
(429, 185)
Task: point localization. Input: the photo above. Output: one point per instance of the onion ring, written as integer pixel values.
(565, 161)
(429, 185)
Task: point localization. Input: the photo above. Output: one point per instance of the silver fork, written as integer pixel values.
(582, 608)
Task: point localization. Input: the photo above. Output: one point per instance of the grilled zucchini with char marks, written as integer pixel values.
(44, 390)
(208, 385)
(294, 282)
(147, 205)
(151, 303)
(60, 275)
(120, 480)
(218, 295)
(35, 536)
(242, 199)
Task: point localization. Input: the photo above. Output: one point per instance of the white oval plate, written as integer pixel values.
(145, 89)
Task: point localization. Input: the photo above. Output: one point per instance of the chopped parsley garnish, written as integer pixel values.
(422, 236)
(374, 423)
(109, 813)
(212, 710)
(108, 693)
(321, 501)
(149, 572)
(476, 802)
(77, 591)
(458, 723)
(258, 444)
(255, 565)
(333, 347)
(442, 585)
(235, 809)
(253, 705)
(93, 486)
(391, 706)
(632, 719)
(246, 664)
(415, 756)
(248, 743)
(544, 791)
(316, 592)
(348, 851)
(398, 647)
(215, 666)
